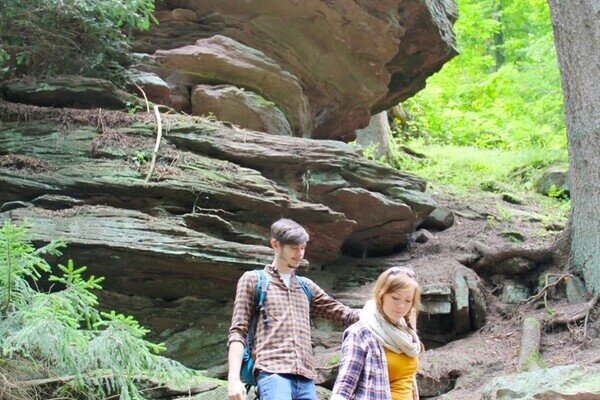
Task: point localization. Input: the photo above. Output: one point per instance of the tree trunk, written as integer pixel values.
(576, 27)
(498, 48)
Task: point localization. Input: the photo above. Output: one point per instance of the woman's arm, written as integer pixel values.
(351, 366)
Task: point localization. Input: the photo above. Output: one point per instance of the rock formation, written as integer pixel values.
(185, 236)
(327, 65)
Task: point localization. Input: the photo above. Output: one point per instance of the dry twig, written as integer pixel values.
(145, 98)
(543, 291)
(157, 145)
(584, 314)
(101, 121)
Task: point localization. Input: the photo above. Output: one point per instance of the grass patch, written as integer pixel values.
(468, 171)
(468, 167)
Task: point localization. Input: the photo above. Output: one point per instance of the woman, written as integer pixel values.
(379, 352)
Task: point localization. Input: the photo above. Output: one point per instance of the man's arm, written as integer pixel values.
(240, 322)
(325, 306)
(235, 388)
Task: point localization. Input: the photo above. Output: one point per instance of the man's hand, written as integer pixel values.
(236, 390)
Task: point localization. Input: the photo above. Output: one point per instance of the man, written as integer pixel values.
(282, 342)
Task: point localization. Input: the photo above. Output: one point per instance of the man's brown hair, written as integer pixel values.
(287, 231)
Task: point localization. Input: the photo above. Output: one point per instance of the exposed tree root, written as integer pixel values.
(543, 291)
(495, 256)
(557, 253)
(582, 314)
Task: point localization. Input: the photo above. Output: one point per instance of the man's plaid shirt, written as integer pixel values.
(283, 344)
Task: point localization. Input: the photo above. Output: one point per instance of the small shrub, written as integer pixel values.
(557, 193)
(61, 333)
(87, 37)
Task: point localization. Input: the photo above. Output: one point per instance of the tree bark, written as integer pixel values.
(576, 27)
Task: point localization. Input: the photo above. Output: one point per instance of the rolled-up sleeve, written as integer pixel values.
(242, 308)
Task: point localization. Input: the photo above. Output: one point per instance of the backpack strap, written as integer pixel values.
(260, 293)
(306, 288)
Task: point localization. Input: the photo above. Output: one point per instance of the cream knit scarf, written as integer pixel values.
(400, 339)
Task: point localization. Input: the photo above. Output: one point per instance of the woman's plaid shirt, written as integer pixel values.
(363, 373)
(283, 344)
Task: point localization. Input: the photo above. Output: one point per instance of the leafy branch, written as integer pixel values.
(104, 354)
(37, 36)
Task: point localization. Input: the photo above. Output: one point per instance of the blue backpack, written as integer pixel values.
(260, 292)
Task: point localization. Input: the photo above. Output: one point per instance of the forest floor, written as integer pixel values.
(472, 360)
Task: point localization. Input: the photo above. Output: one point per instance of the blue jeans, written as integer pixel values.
(285, 387)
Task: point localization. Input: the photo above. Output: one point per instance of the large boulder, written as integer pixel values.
(562, 382)
(239, 107)
(327, 65)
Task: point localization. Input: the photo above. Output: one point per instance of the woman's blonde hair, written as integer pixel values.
(397, 278)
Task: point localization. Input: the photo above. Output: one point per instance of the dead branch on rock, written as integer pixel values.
(543, 291)
(157, 145)
(582, 314)
(495, 256)
(145, 97)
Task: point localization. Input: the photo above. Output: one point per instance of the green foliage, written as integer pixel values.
(133, 107)
(62, 332)
(503, 91)
(139, 158)
(19, 260)
(493, 170)
(370, 152)
(557, 193)
(87, 37)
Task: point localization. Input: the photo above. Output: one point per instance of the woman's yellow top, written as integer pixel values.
(402, 370)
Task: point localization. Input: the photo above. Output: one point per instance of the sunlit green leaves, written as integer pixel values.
(503, 91)
(19, 261)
